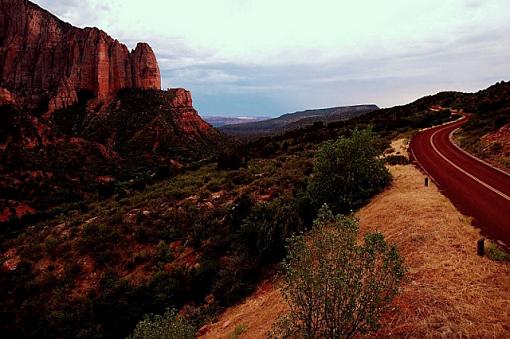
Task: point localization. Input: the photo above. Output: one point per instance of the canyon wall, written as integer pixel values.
(46, 63)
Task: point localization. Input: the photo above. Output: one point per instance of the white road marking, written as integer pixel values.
(503, 195)
(472, 156)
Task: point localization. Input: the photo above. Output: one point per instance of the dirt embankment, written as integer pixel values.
(450, 291)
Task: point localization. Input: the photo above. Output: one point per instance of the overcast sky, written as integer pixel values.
(269, 57)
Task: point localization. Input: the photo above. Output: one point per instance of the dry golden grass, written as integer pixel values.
(257, 313)
(400, 147)
(450, 291)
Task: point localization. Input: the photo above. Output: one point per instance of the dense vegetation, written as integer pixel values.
(207, 238)
(198, 241)
(74, 157)
(167, 326)
(202, 239)
(347, 174)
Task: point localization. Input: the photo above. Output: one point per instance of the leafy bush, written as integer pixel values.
(496, 253)
(346, 173)
(264, 232)
(229, 160)
(167, 326)
(396, 160)
(336, 288)
(238, 330)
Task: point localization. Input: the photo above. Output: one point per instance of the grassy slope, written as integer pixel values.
(450, 291)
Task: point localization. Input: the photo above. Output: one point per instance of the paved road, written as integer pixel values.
(476, 188)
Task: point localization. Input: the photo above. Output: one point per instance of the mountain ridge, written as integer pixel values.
(299, 119)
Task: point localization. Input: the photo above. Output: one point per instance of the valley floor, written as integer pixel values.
(450, 291)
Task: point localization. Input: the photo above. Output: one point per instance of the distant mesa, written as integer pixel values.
(45, 62)
(218, 121)
(291, 121)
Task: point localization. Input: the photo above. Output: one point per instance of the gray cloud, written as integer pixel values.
(385, 70)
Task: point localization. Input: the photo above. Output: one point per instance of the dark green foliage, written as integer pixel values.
(347, 174)
(396, 160)
(270, 149)
(496, 252)
(167, 326)
(229, 160)
(137, 137)
(264, 232)
(335, 287)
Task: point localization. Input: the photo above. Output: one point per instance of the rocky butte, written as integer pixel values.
(45, 62)
(76, 107)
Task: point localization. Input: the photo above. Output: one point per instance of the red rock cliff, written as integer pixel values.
(45, 60)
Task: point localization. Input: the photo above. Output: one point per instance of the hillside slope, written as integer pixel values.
(81, 116)
(450, 291)
(296, 120)
(486, 134)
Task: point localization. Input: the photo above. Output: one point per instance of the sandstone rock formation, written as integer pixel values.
(80, 113)
(46, 62)
(6, 97)
(182, 105)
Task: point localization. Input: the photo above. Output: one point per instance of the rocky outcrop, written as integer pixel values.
(188, 117)
(80, 113)
(6, 97)
(46, 62)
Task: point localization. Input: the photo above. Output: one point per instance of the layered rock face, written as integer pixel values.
(76, 107)
(182, 105)
(47, 62)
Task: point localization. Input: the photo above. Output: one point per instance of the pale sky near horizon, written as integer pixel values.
(269, 57)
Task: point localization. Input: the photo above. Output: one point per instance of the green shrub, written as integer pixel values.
(396, 160)
(167, 326)
(265, 230)
(336, 288)
(229, 160)
(346, 173)
(97, 237)
(494, 252)
(238, 330)
(241, 177)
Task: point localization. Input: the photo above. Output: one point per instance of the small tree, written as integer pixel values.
(229, 160)
(167, 326)
(347, 173)
(336, 288)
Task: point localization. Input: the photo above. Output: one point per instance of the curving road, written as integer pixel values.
(476, 188)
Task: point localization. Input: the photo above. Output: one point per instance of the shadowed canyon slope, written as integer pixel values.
(80, 113)
(45, 61)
